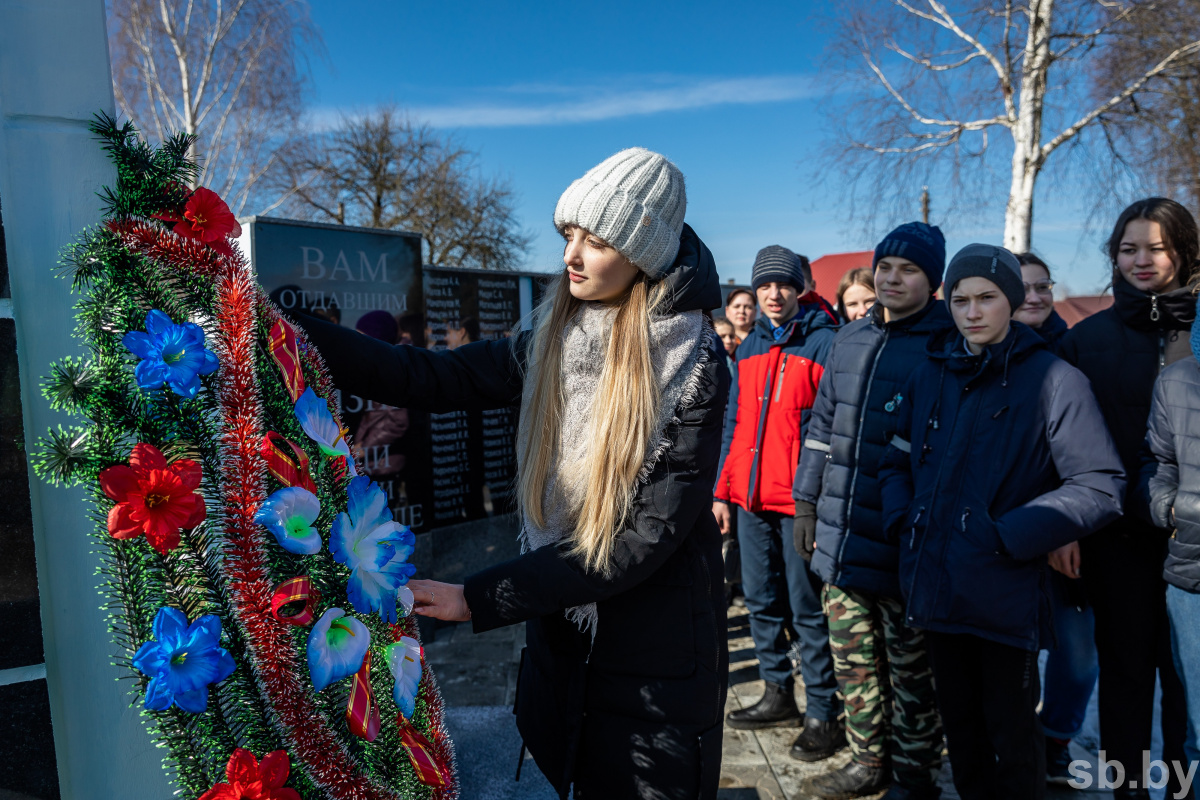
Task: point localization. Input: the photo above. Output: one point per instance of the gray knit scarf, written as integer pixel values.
(679, 347)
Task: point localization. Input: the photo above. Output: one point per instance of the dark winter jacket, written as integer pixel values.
(852, 422)
(641, 704)
(774, 386)
(999, 459)
(1171, 472)
(1121, 350)
(1053, 330)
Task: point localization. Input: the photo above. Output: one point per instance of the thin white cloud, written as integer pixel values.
(596, 104)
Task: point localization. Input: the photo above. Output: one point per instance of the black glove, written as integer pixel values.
(804, 529)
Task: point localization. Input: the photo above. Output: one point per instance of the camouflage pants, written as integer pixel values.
(886, 681)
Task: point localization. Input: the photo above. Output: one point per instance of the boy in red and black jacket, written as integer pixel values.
(776, 372)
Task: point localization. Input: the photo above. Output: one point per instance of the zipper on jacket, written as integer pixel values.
(965, 516)
(912, 537)
(763, 406)
(782, 367)
(1155, 315)
(1162, 350)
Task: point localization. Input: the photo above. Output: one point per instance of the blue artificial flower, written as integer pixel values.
(404, 662)
(289, 513)
(171, 354)
(182, 661)
(375, 548)
(337, 646)
(319, 424)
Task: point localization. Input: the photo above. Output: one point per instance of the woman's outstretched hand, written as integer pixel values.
(440, 600)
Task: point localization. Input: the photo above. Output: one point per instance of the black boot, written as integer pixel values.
(852, 780)
(819, 740)
(776, 709)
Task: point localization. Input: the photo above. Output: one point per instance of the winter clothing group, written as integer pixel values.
(940, 465)
(897, 485)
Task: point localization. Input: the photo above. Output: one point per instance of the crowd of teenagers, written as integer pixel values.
(924, 493)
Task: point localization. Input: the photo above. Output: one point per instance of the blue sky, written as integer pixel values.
(732, 94)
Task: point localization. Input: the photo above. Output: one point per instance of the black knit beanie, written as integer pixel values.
(988, 261)
(919, 243)
(778, 264)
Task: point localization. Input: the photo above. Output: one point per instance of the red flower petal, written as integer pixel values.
(117, 482)
(274, 769)
(184, 228)
(199, 512)
(187, 471)
(163, 537)
(146, 457)
(121, 524)
(222, 247)
(222, 791)
(242, 767)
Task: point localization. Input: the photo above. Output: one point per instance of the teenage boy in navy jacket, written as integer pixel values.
(881, 663)
(775, 377)
(1001, 456)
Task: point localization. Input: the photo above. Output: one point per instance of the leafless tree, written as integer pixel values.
(938, 81)
(1156, 135)
(381, 170)
(231, 72)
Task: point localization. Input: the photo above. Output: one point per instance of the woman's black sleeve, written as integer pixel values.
(665, 511)
(475, 376)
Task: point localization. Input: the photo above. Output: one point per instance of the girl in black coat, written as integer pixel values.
(1122, 349)
(621, 390)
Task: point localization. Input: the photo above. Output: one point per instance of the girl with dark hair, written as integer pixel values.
(741, 308)
(856, 294)
(1152, 250)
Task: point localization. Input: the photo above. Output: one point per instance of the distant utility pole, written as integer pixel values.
(925, 204)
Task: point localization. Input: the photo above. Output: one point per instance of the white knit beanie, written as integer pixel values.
(635, 201)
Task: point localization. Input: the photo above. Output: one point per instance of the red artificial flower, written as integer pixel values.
(153, 497)
(206, 218)
(250, 780)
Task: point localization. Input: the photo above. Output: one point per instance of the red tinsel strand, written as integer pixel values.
(158, 243)
(274, 658)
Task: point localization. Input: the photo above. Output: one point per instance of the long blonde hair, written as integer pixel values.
(623, 416)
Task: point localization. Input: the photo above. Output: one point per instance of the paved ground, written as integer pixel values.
(478, 679)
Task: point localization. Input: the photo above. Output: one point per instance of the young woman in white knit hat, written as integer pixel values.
(621, 392)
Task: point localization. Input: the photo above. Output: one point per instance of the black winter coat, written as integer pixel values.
(1121, 350)
(999, 459)
(852, 422)
(1053, 330)
(637, 711)
(1171, 473)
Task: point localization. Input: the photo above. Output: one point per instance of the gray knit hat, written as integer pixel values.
(775, 263)
(635, 201)
(988, 261)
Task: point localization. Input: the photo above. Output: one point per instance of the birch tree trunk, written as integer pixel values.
(942, 79)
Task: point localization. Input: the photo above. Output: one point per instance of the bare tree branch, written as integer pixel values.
(1071, 130)
(382, 171)
(231, 73)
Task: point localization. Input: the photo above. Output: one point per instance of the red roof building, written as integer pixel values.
(1074, 309)
(828, 270)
